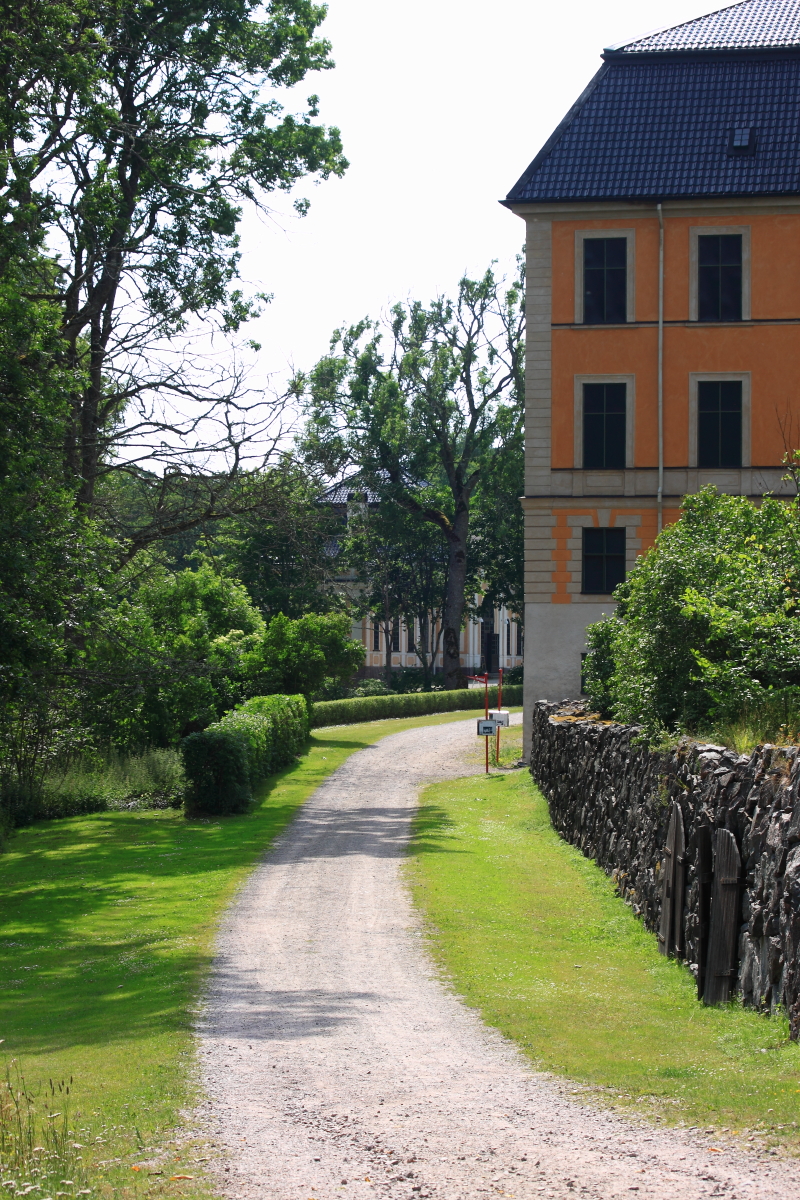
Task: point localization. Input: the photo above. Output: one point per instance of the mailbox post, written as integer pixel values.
(483, 726)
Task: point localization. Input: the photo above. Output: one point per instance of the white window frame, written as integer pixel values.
(630, 417)
(696, 377)
(696, 231)
(581, 235)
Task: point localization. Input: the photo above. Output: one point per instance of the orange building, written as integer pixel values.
(663, 304)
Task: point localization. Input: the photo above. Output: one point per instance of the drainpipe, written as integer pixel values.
(660, 494)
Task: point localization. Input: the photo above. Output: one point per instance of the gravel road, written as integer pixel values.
(336, 1063)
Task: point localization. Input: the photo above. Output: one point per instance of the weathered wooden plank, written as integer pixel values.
(723, 935)
(668, 887)
(704, 865)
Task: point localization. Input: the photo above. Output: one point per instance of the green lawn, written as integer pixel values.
(106, 931)
(532, 934)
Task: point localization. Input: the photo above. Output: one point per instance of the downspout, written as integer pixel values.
(660, 493)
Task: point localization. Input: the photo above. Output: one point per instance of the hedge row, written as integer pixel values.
(226, 761)
(411, 704)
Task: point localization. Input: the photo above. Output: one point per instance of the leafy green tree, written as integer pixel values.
(401, 564)
(283, 549)
(708, 623)
(299, 656)
(497, 533)
(132, 142)
(423, 406)
(169, 659)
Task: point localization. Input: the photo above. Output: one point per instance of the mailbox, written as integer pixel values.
(486, 728)
(499, 716)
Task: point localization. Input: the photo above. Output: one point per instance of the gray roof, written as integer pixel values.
(657, 120)
(348, 489)
(749, 25)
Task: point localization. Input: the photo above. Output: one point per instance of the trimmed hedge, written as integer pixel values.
(224, 762)
(411, 704)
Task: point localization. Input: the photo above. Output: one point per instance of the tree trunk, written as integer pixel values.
(388, 631)
(453, 615)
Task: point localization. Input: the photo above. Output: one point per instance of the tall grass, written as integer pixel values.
(772, 721)
(39, 1150)
(97, 783)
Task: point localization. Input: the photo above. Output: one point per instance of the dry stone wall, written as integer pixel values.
(611, 796)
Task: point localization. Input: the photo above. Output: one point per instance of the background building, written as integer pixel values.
(487, 643)
(663, 306)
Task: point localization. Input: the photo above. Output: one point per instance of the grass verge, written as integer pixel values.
(532, 934)
(106, 930)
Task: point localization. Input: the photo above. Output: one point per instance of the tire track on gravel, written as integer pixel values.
(337, 1064)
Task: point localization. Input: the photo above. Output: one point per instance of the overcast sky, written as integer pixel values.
(441, 104)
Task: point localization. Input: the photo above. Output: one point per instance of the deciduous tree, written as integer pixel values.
(424, 405)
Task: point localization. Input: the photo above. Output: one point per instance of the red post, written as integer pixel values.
(499, 705)
(486, 713)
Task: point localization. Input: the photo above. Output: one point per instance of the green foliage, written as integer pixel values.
(423, 405)
(496, 541)
(373, 708)
(225, 762)
(134, 138)
(281, 550)
(171, 658)
(299, 655)
(290, 724)
(707, 623)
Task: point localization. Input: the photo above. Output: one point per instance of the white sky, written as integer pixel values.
(441, 104)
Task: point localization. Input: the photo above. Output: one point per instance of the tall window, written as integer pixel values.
(719, 423)
(519, 640)
(411, 644)
(605, 281)
(376, 635)
(396, 635)
(603, 560)
(604, 426)
(719, 277)
(508, 637)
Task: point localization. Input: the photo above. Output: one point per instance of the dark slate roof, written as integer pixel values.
(658, 127)
(751, 24)
(348, 489)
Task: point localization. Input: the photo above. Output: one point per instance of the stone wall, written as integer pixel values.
(611, 797)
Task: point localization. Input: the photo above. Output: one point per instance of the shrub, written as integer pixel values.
(303, 654)
(410, 704)
(706, 627)
(227, 760)
(96, 783)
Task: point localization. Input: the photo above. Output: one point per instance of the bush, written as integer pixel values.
(97, 783)
(226, 761)
(411, 704)
(706, 627)
(366, 687)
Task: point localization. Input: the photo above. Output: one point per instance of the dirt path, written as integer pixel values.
(338, 1065)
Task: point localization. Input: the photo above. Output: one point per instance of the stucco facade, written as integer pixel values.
(660, 356)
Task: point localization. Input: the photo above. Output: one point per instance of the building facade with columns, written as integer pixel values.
(488, 643)
(663, 307)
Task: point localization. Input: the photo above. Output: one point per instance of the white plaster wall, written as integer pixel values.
(554, 641)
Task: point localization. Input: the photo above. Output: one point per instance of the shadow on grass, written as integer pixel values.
(433, 832)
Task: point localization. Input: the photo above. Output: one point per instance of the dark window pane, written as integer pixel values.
(719, 277)
(603, 560)
(605, 281)
(604, 426)
(719, 423)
